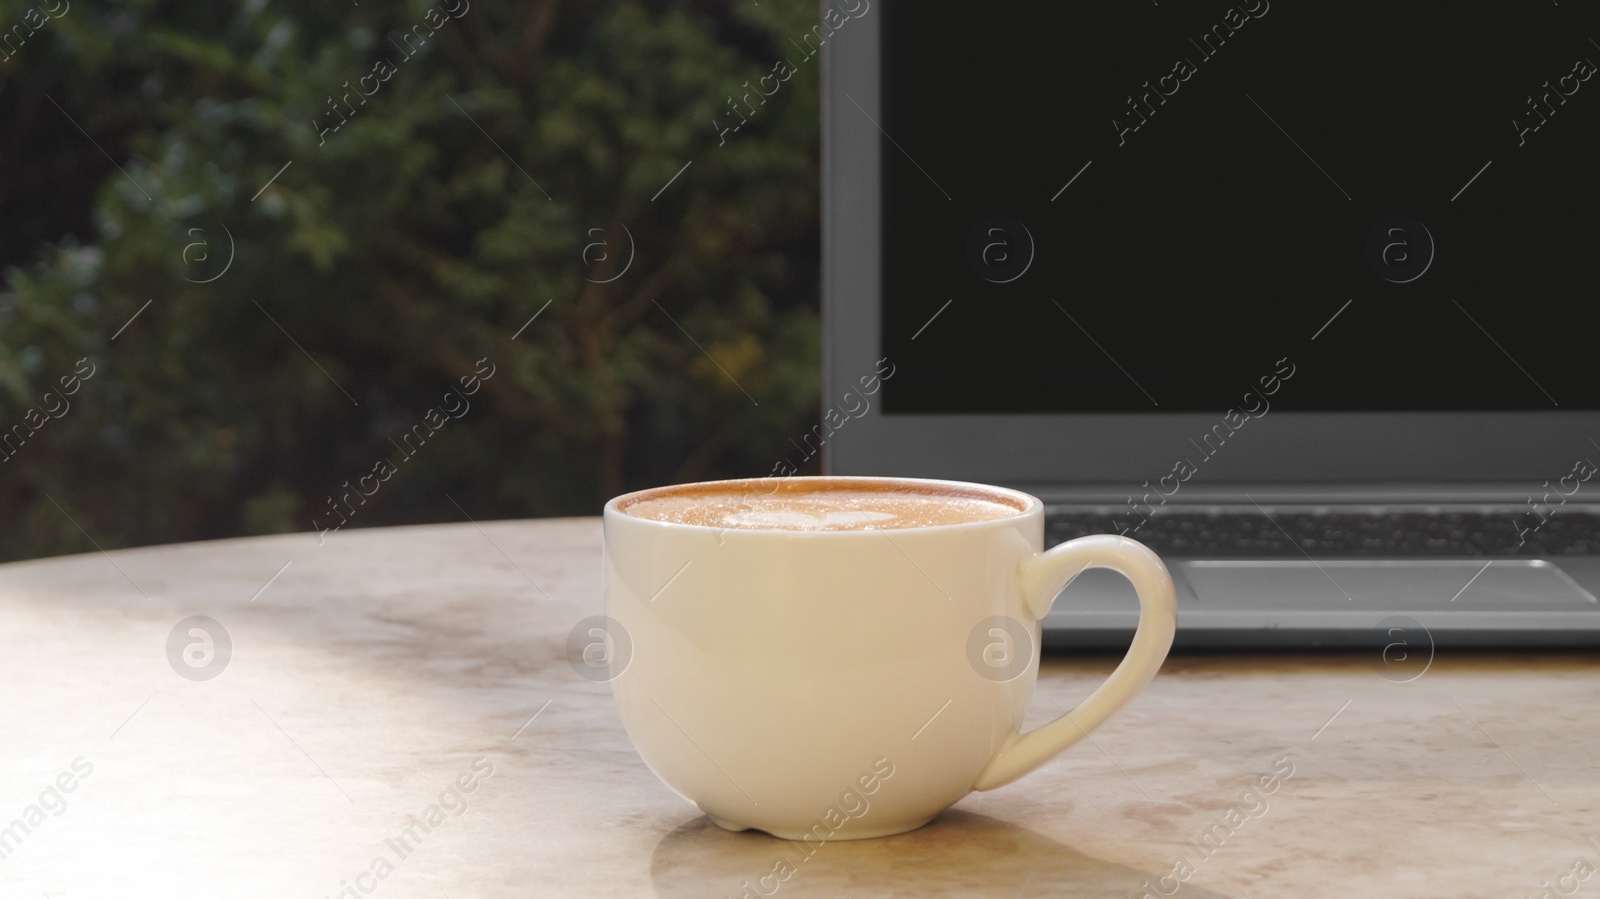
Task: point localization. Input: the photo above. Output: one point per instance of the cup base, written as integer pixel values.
(847, 833)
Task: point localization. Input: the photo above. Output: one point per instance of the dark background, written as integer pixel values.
(1199, 249)
(381, 265)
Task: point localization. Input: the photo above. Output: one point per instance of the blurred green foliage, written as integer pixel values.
(499, 171)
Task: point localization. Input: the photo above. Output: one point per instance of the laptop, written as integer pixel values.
(1302, 296)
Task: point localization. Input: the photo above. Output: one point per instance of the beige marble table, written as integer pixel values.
(379, 672)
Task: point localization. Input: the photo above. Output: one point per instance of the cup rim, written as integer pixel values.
(1030, 505)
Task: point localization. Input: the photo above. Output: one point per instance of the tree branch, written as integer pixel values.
(697, 465)
(536, 30)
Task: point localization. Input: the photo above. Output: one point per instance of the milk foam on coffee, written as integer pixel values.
(800, 507)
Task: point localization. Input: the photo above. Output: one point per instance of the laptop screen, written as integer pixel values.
(1143, 207)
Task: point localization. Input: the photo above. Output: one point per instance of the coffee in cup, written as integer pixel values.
(839, 657)
(819, 504)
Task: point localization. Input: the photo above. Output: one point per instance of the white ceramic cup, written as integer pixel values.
(825, 685)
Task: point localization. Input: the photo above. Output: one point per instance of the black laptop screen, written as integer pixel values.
(1142, 207)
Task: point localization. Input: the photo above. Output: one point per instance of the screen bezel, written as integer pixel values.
(1106, 448)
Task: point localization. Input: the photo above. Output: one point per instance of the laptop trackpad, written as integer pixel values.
(1390, 586)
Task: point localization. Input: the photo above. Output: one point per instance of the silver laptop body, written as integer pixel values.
(966, 248)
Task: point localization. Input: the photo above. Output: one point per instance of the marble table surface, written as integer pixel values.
(420, 673)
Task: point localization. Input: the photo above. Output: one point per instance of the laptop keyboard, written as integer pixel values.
(1297, 533)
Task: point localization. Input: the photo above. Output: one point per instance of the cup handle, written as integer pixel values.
(1043, 575)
